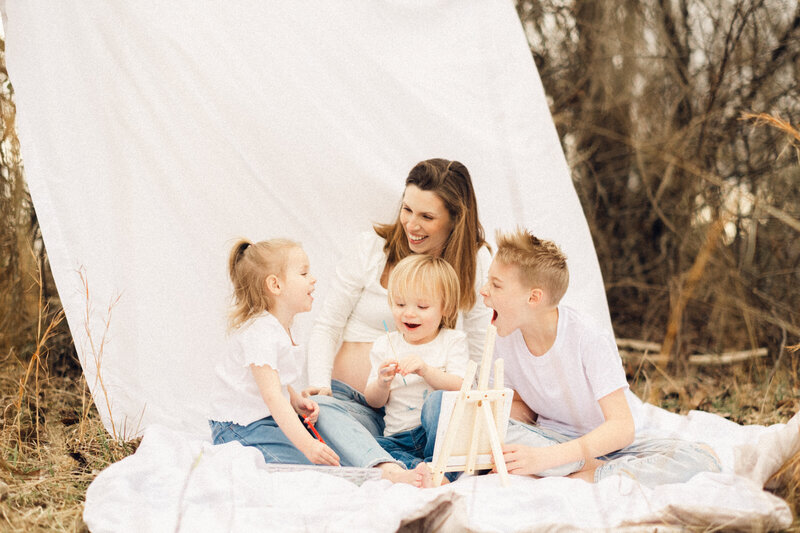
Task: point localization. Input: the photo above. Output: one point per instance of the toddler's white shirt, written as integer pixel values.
(262, 340)
(447, 352)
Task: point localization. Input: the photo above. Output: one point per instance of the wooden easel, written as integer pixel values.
(488, 404)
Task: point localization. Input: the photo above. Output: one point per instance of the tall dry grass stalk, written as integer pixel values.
(37, 368)
(97, 352)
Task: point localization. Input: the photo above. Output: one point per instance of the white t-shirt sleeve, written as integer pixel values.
(261, 346)
(345, 290)
(602, 364)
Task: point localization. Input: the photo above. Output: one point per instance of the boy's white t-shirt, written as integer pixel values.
(564, 384)
(262, 340)
(449, 352)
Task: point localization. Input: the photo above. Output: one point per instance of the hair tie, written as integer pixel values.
(242, 247)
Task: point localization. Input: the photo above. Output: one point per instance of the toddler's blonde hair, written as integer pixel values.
(428, 275)
(541, 263)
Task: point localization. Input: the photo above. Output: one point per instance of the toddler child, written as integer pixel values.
(567, 375)
(423, 355)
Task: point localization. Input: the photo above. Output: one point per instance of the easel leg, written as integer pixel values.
(494, 440)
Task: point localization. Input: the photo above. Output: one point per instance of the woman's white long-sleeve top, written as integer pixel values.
(357, 306)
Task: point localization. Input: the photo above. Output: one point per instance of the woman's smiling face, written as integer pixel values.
(426, 221)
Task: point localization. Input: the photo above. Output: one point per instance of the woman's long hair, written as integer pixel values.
(450, 181)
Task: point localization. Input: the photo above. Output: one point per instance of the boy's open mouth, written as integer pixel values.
(411, 326)
(494, 315)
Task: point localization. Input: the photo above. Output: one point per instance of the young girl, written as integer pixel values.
(253, 400)
(424, 355)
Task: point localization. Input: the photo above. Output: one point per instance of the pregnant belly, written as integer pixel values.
(352, 364)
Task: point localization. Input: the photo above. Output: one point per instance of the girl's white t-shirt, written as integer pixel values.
(262, 340)
(564, 384)
(448, 352)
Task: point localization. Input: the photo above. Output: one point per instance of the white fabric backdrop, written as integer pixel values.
(155, 133)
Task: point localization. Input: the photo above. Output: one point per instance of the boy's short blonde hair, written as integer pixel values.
(541, 263)
(430, 276)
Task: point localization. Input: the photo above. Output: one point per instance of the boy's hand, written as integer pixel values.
(387, 371)
(320, 454)
(307, 408)
(311, 391)
(413, 364)
(525, 460)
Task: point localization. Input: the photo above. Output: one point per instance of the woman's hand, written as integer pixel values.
(312, 391)
(320, 453)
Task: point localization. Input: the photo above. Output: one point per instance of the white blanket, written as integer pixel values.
(177, 483)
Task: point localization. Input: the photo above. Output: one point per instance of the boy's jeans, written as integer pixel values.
(650, 461)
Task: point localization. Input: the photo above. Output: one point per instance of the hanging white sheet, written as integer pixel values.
(155, 133)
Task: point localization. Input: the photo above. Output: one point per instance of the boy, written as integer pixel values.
(566, 371)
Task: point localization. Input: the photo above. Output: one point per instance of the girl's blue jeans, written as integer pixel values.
(341, 423)
(650, 461)
(263, 434)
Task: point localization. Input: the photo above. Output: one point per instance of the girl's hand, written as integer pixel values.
(307, 408)
(387, 371)
(321, 454)
(311, 391)
(413, 364)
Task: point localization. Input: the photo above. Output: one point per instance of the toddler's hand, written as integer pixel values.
(387, 371)
(413, 364)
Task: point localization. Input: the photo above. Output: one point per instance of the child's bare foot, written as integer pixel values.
(397, 474)
(424, 476)
(421, 476)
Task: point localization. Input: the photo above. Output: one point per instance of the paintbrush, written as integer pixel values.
(388, 338)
